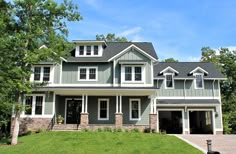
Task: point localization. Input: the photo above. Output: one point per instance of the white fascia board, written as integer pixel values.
(189, 105)
(198, 68)
(128, 48)
(169, 68)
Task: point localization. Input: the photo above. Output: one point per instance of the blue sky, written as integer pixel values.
(177, 28)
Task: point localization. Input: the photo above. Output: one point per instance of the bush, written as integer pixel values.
(107, 129)
(85, 130)
(135, 130)
(126, 130)
(99, 130)
(117, 130)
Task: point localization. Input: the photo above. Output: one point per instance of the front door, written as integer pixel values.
(74, 108)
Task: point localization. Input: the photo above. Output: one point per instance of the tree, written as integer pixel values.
(110, 37)
(170, 60)
(34, 23)
(226, 63)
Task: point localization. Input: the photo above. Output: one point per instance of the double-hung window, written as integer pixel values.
(199, 81)
(132, 73)
(34, 105)
(87, 74)
(41, 73)
(81, 50)
(103, 109)
(135, 109)
(169, 81)
(88, 50)
(95, 50)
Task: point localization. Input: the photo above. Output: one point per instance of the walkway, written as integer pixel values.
(225, 144)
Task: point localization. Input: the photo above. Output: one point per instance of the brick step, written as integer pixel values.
(66, 127)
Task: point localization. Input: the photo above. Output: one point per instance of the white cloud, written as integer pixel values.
(130, 31)
(194, 59)
(137, 38)
(93, 3)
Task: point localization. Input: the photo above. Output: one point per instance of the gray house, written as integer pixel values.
(122, 85)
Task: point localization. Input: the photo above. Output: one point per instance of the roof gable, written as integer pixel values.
(132, 47)
(197, 70)
(170, 69)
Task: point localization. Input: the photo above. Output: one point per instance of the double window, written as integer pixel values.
(89, 50)
(199, 81)
(169, 81)
(135, 109)
(34, 104)
(133, 73)
(103, 109)
(87, 73)
(41, 73)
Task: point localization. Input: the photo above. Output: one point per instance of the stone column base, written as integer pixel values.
(119, 120)
(153, 122)
(84, 121)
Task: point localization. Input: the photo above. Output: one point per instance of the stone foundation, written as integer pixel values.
(119, 120)
(84, 120)
(153, 122)
(32, 124)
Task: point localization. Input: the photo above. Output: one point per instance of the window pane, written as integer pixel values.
(138, 73)
(199, 81)
(81, 50)
(95, 52)
(88, 50)
(28, 104)
(38, 105)
(92, 73)
(37, 71)
(82, 74)
(103, 109)
(135, 109)
(46, 73)
(169, 81)
(128, 73)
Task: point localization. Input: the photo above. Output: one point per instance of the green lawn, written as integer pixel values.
(98, 142)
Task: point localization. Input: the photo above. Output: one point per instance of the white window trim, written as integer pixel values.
(87, 73)
(77, 54)
(51, 76)
(99, 101)
(173, 81)
(34, 105)
(195, 84)
(130, 109)
(132, 74)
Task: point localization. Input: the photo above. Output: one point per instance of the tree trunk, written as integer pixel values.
(15, 132)
(16, 126)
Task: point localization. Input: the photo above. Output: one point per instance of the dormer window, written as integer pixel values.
(88, 50)
(81, 50)
(169, 81)
(95, 50)
(199, 81)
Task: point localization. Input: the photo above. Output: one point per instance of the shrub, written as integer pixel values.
(99, 129)
(126, 130)
(135, 130)
(107, 129)
(117, 130)
(85, 130)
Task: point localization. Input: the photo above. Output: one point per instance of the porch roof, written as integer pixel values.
(188, 101)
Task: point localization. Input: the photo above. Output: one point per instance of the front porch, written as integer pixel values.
(131, 109)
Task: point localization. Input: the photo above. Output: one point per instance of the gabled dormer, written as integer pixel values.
(169, 74)
(199, 74)
(89, 48)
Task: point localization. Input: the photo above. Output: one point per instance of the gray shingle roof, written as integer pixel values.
(112, 49)
(184, 68)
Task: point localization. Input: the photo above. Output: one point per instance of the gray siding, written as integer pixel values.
(48, 109)
(70, 73)
(133, 56)
(57, 73)
(190, 90)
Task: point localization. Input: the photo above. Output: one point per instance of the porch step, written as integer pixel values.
(66, 127)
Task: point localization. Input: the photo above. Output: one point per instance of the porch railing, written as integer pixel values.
(52, 122)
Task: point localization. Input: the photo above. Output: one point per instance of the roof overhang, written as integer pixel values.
(169, 68)
(200, 69)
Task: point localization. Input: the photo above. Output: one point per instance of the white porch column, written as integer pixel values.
(120, 111)
(155, 106)
(117, 101)
(86, 104)
(82, 104)
(151, 110)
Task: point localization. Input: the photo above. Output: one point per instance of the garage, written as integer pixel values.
(171, 122)
(201, 122)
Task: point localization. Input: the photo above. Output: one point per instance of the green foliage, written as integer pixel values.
(99, 130)
(225, 61)
(117, 130)
(107, 129)
(170, 60)
(135, 130)
(110, 37)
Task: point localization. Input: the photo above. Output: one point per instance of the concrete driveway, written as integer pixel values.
(225, 144)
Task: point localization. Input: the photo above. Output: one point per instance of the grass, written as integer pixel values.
(98, 142)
